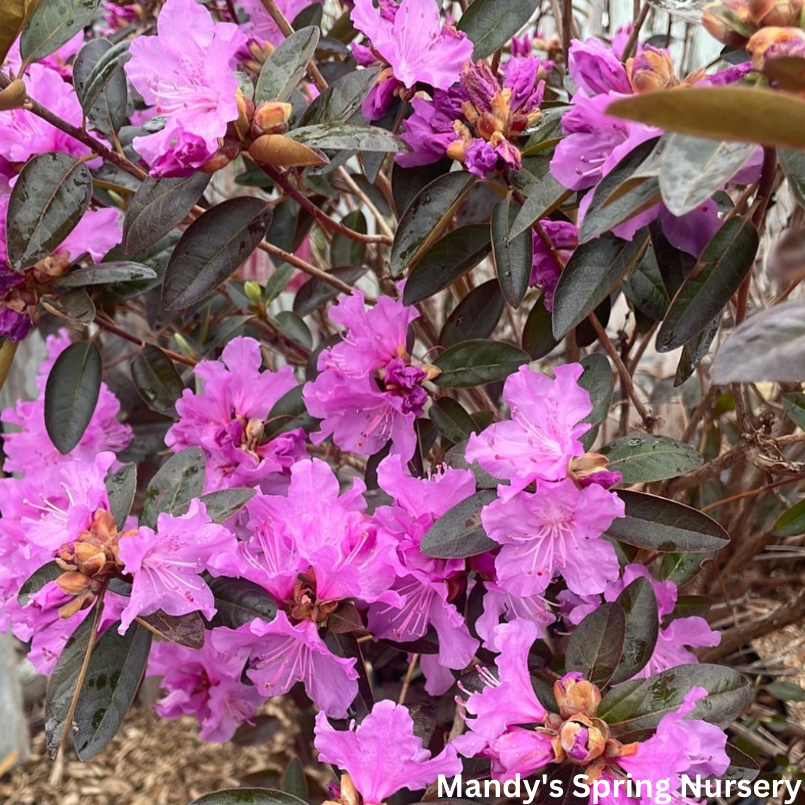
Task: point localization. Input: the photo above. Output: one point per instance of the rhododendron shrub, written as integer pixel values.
(390, 380)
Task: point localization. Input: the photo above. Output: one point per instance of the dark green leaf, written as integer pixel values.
(513, 256)
(659, 524)
(407, 182)
(793, 164)
(693, 169)
(344, 251)
(490, 24)
(718, 274)
(105, 273)
(239, 601)
(458, 533)
(293, 328)
(284, 68)
(645, 289)
(248, 796)
(695, 350)
(546, 133)
(451, 420)
(592, 273)
(791, 523)
(680, 567)
(294, 781)
(50, 197)
(121, 487)
(183, 630)
(40, 577)
(288, 413)
(643, 458)
(115, 670)
(345, 619)
(53, 24)
(543, 198)
(741, 767)
(785, 691)
(446, 260)
(794, 406)
(455, 458)
(642, 628)
(212, 248)
(475, 363)
(100, 83)
(71, 394)
(426, 217)
(597, 380)
(341, 99)
(349, 138)
(224, 503)
(596, 644)
(177, 481)
(475, 316)
(538, 338)
(640, 704)
(157, 207)
(78, 306)
(157, 380)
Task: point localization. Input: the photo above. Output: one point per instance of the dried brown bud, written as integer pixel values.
(776, 41)
(774, 12)
(728, 22)
(651, 70)
(583, 739)
(73, 583)
(576, 696)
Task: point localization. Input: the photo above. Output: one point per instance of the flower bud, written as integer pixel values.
(651, 70)
(89, 558)
(281, 151)
(772, 43)
(271, 118)
(583, 739)
(13, 96)
(774, 12)
(575, 695)
(480, 84)
(73, 583)
(457, 150)
(728, 22)
(226, 153)
(239, 128)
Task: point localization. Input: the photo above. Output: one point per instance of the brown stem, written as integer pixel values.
(104, 324)
(628, 48)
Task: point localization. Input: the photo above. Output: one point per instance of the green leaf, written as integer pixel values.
(157, 380)
(791, 523)
(695, 350)
(785, 691)
(349, 138)
(512, 256)
(792, 161)
(725, 261)
(294, 781)
(475, 363)
(639, 604)
(121, 487)
(100, 83)
(105, 273)
(596, 644)
(455, 457)
(225, 503)
(546, 133)
(794, 407)
(693, 169)
(640, 704)
(643, 458)
(293, 328)
(157, 207)
(407, 182)
(71, 394)
(537, 339)
(183, 630)
(285, 67)
(490, 24)
(341, 99)
(239, 601)
(543, 198)
(115, 669)
(288, 413)
(458, 533)
(212, 248)
(475, 316)
(38, 579)
(50, 197)
(768, 346)
(645, 289)
(597, 380)
(177, 481)
(451, 420)
(741, 767)
(426, 218)
(248, 796)
(344, 251)
(446, 260)
(592, 273)
(53, 24)
(680, 567)
(732, 113)
(659, 524)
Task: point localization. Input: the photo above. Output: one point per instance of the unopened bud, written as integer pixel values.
(728, 22)
(583, 739)
(239, 129)
(226, 153)
(89, 559)
(253, 292)
(271, 118)
(651, 70)
(13, 96)
(774, 12)
(576, 696)
(73, 583)
(284, 152)
(773, 43)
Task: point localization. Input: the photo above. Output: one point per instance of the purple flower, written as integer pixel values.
(166, 564)
(556, 529)
(481, 158)
(520, 751)
(500, 603)
(411, 38)
(368, 391)
(596, 69)
(226, 420)
(206, 684)
(545, 269)
(262, 25)
(428, 131)
(383, 755)
(542, 436)
(185, 72)
(282, 654)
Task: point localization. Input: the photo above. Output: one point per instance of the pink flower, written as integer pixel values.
(428, 131)
(543, 433)
(282, 654)
(227, 417)
(596, 69)
(368, 391)
(545, 268)
(205, 684)
(383, 755)
(261, 24)
(411, 38)
(557, 529)
(166, 564)
(185, 72)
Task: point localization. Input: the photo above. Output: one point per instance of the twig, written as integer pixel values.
(408, 676)
(632, 40)
(107, 325)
